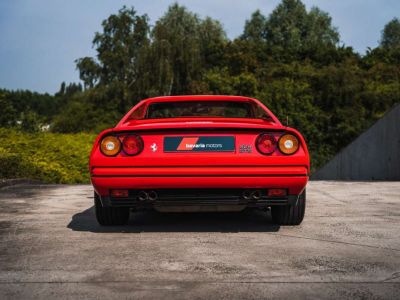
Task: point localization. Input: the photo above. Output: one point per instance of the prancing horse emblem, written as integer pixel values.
(153, 147)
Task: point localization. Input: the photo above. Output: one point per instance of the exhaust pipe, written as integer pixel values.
(246, 195)
(256, 195)
(153, 195)
(143, 196)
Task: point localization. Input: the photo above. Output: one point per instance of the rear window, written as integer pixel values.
(222, 109)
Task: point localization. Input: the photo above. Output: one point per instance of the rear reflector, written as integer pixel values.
(119, 193)
(277, 192)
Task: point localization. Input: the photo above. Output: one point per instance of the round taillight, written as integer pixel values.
(132, 144)
(288, 144)
(110, 145)
(266, 143)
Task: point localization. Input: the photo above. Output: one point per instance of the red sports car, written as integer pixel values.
(199, 153)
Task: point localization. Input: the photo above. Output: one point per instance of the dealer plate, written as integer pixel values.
(199, 144)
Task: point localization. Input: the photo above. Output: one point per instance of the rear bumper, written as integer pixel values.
(292, 178)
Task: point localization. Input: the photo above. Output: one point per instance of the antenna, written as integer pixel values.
(287, 121)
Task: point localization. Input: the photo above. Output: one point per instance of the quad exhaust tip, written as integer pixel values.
(152, 195)
(247, 194)
(256, 195)
(251, 195)
(143, 196)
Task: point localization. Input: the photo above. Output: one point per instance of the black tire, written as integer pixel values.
(290, 214)
(110, 216)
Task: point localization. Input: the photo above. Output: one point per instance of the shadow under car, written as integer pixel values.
(152, 221)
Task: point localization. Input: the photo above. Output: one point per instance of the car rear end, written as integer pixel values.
(205, 164)
(230, 163)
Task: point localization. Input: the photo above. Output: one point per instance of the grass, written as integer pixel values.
(48, 157)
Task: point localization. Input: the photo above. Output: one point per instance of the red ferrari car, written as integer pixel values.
(199, 153)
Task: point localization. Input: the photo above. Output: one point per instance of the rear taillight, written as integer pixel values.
(266, 143)
(288, 144)
(132, 144)
(110, 145)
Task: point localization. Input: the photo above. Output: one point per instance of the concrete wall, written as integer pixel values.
(374, 155)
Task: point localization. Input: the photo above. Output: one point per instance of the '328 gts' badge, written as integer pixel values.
(245, 149)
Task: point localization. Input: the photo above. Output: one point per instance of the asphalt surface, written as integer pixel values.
(348, 247)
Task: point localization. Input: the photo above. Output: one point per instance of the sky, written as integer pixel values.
(40, 39)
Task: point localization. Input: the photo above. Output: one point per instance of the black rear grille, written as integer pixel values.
(200, 194)
(188, 197)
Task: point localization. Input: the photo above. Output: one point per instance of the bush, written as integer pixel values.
(49, 157)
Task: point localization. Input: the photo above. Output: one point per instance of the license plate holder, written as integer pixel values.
(199, 144)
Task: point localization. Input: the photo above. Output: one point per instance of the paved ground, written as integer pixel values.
(348, 247)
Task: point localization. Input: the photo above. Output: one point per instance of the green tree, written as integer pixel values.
(319, 30)
(8, 115)
(44, 105)
(183, 48)
(255, 28)
(120, 48)
(87, 111)
(291, 30)
(391, 34)
(176, 50)
(286, 26)
(30, 121)
(212, 42)
(89, 71)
